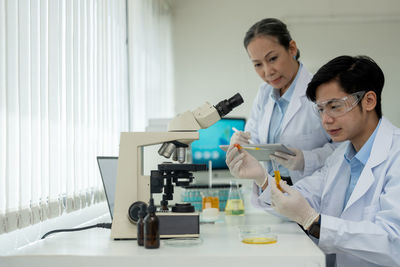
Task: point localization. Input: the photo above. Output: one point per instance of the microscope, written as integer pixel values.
(134, 189)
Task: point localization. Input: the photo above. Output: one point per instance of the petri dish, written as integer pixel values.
(257, 234)
(260, 240)
(183, 242)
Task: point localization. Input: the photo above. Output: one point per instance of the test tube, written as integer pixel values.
(210, 174)
(277, 174)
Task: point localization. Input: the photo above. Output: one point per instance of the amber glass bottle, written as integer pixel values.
(140, 226)
(151, 227)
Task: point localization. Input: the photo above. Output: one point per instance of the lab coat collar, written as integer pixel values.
(379, 153)
(298, 97)
(382, 143)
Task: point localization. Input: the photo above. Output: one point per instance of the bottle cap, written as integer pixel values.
(151, 208)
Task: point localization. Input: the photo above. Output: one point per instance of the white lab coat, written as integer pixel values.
(301, 126)
(367, 232)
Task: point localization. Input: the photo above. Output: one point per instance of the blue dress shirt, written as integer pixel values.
(357, 161)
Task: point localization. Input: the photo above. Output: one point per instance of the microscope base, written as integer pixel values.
(176, 224)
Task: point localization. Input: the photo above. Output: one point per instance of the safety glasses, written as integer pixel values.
(338, 107)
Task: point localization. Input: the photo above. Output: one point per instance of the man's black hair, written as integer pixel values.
(353, 74)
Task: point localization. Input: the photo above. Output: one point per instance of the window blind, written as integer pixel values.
(151, 71)
(64, 100)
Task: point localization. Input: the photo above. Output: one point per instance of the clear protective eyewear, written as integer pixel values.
(338, 107)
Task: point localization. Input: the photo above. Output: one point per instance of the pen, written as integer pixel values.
(236, 130)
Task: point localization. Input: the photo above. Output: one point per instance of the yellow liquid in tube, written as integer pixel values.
(278, 179)
(234, 207)
(259, 240)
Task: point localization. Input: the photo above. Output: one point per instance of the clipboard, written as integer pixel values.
(262, 151)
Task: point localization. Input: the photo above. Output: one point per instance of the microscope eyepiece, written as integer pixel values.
(226, 106)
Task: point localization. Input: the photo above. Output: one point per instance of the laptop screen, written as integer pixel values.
(108, 171)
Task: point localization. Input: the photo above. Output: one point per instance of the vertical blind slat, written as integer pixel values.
(69, 80)
(102, 73)
(63, 99)
(3, 109)
(95, 78)
(24, 66)
(12, 126)
(83, 100)
(90, 103)
(76, 106)
(53, 101)
(35, 105)
(44, 111)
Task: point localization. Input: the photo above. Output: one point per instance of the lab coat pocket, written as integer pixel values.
(370, 212)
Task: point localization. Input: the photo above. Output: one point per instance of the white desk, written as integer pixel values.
(220, 247)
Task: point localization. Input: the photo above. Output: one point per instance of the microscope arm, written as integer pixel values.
(201, 118)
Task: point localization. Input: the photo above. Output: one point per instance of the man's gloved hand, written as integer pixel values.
(243, 165)
(294, 163)
(241, 138)
(292, 205)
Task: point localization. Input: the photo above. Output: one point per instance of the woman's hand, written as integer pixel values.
(242, 165)
(294, 163)
(241, 138)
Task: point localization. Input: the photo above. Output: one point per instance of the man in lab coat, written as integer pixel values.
(352, 204)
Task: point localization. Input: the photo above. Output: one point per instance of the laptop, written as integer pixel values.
(108, 170)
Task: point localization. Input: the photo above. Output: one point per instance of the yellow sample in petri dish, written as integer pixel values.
(260, 240)
(257, 234)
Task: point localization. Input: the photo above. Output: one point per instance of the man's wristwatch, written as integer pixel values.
(315, 228)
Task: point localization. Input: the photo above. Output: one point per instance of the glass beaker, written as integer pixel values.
(210, 204)
(234, 204)
(210, 199)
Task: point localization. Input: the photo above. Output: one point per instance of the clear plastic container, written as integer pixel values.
(193, 194)
(257, 234)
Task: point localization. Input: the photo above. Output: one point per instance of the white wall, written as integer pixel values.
(211, 63)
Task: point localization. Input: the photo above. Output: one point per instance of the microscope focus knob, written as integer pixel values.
(133, 211)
